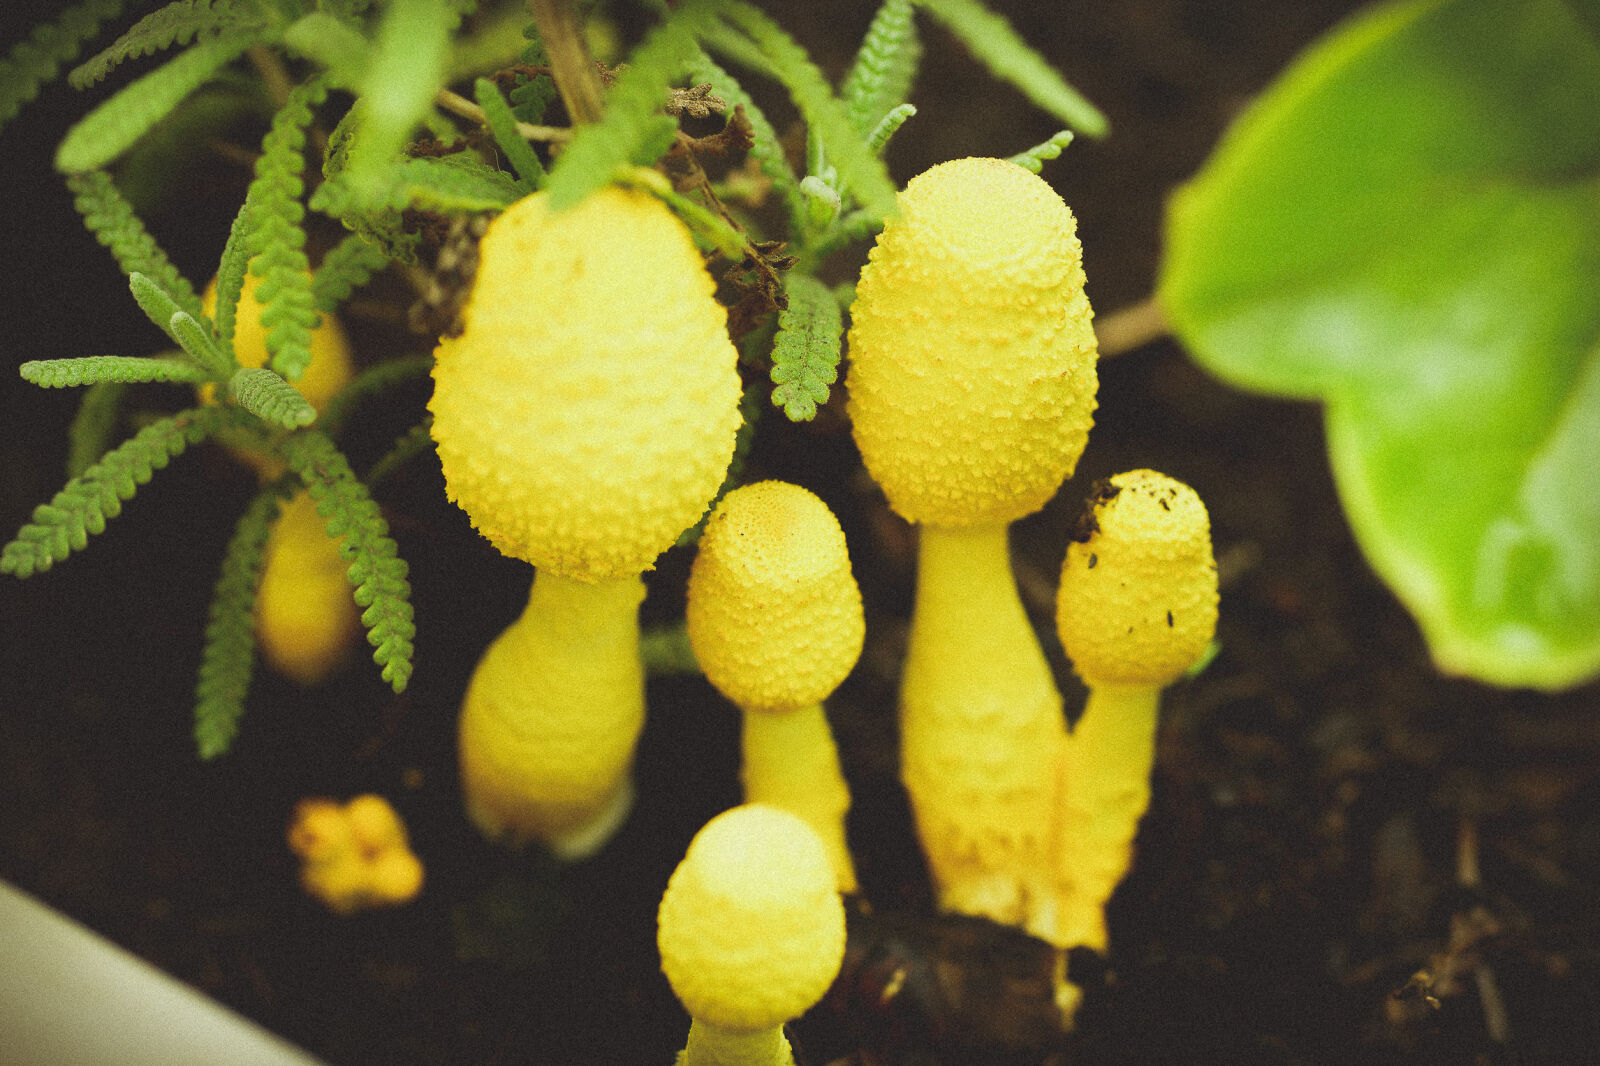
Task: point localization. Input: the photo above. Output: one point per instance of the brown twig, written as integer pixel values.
(1130, 327)
(577, 78)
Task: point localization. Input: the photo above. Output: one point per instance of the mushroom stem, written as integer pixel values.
(790, 762)
(552, 714)
(1105, 789)
(712, 1045)
(981, 726)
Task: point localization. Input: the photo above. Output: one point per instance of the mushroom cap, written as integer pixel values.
(306, 620)
(586, 415)
(1137, 602)
(774, 613)
(751, 928)
(972, 348)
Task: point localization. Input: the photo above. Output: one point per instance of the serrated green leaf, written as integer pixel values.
(94, 369)
(995, 44)
(1407, 226)
(805, 353)
(270, 398)
(108, 130)
(35, 61)
(406, 69)
(503, 125)
(176, 23)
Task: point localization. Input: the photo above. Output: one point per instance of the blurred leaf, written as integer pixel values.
(1406, 226)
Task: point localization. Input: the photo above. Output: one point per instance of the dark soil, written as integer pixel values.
(1348, 859)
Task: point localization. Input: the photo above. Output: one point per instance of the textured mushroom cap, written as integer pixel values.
(306, 620)
(774, 613)
(972, 350)
(1137, 602)
(751, 929)
(586, 415)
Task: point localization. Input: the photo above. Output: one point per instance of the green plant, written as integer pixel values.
(1407, 228)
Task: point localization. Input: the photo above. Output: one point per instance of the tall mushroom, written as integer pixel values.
(584, 418)
(971, 390)
(774, 618)
(1136, 607)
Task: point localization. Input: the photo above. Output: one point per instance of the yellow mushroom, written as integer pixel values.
(584, 419)
(971, 391)
(751, 933)
(1136, 607)
(774, 618)
(354, 856)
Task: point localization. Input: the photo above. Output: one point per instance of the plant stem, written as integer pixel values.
(791, 762)
(561, 32)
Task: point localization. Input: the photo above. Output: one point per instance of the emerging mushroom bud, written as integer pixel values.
(751, 932)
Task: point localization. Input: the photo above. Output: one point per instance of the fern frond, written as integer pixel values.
(230, 279)
(884, 68)
(112, 221)
(448, 184)
(95, 369)
(632, 110)
(347, 266)
(1034, 158)
(63, 525)
(229, 658)
(177, 23)
(502, 124)
(805, 353)
(406, 69)
(531, 97)
(888, 127)
(36, 61)
(413, 442)
(376, 571)
(765, 147)
(370, 382)
(92, 427)
(994, 43)
(277, 241)
(200, 344)
(270, 398)
(858, 169)
(108, 130)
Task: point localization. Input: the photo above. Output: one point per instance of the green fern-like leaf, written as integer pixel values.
(108, 130)
(805, 353)
(36, 61)
(198, 341)
(176, 23)
(369, 383)
(996, 45)
(63, 525)
(532, 96)
(347, 266)
(633, 109)
(229, 658)
(93, 426)
(95, 369)
(112, 221)
(413, 442)
(765, 147)
(271, 399)
(884, 68)
(376, 571)
(277, 241)
(230, 279)
(407, 68)
(449, 184)
(1034, 158)
(502, 124)
(859, 171)
(888, 126)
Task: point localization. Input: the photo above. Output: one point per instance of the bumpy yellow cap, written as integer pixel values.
(751, 929)
(972, 350)
(774, 614)
(1138, 597)
(586, 416)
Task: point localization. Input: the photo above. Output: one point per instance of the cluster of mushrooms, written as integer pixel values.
(585, 418)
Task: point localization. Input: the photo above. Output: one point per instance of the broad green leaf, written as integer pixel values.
(1406, 226)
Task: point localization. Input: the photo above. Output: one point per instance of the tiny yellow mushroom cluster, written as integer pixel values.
(354, 856)
(774, 618)
(751, 932)
(584, 418)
